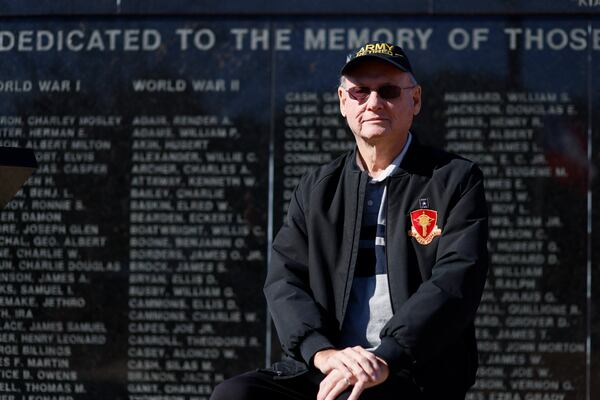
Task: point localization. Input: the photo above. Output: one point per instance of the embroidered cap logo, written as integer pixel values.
(376, 48)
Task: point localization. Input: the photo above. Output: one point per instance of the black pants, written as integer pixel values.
(264, 385)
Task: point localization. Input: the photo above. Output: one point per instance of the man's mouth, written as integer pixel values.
(375, 120)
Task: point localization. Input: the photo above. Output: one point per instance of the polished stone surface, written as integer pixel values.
(132, 262)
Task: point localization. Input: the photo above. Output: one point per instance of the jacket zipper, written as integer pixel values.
(357, 228)
(385, 235)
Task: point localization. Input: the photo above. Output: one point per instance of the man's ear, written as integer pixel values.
(342, 97)
(416, 97)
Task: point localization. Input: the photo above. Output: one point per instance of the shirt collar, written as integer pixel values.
(389, 170)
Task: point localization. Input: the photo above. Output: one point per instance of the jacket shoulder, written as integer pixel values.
(432, 161)
(322, 173)
(447, 169)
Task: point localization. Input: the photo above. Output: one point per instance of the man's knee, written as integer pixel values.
(241, 387)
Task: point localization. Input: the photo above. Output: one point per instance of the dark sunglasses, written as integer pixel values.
(386, 92)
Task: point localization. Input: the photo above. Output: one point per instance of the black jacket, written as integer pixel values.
(435, 288)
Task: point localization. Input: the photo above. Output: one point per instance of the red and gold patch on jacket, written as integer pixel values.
(424, 227)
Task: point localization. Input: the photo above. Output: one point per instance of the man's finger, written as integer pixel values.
(373, 359)
(353, 365)
(366, 361)
(328, 383)
(356, 391)
(324, 388)
(341, 366)
(338, 389)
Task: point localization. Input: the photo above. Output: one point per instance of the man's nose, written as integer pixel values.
(374, 101)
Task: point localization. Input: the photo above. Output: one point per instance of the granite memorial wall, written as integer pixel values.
(132, 262)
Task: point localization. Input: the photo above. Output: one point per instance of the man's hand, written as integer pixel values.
(350, 366)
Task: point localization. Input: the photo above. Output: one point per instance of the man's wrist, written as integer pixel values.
(320, 358)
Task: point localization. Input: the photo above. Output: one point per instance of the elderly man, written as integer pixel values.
(378, 270)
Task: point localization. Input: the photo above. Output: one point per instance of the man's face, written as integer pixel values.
(376, 120)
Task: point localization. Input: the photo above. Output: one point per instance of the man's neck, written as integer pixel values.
(376, 157)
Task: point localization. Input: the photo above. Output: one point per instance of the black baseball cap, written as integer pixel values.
(378, 50)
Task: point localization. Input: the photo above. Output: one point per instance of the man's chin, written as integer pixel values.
(373, 134)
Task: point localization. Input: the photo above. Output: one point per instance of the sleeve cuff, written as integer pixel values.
(396, 356)
(313, 343)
